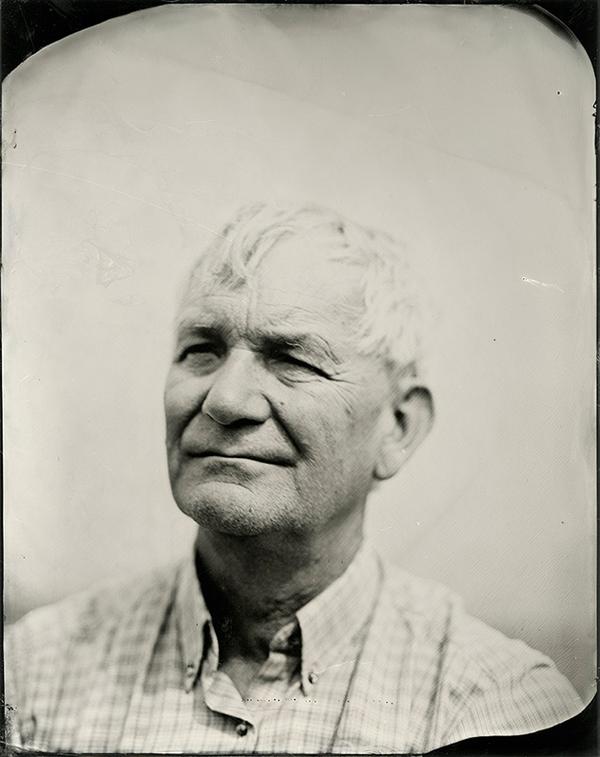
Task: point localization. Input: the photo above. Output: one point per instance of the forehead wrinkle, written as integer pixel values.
(251, 300)
(313, 306)
(291, 325)
(260, 337)
(324, 330)
(196, 316)
(244, 292)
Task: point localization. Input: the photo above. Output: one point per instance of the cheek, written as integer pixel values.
(352, 428)
(355, 409)
(321, 423)
(183, 398)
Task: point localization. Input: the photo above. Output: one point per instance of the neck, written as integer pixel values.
(253, 585)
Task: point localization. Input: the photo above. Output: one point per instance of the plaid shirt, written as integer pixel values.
(378, 662)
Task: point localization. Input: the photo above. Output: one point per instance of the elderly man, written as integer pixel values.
(294, 389)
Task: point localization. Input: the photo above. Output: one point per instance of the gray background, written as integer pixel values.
(467, 131)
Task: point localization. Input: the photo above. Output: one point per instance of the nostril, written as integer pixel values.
(237, 414)
(240, 408)
(238, 423)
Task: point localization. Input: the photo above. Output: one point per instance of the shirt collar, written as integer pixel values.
(329, 624)
(192, 616)
(332, 622)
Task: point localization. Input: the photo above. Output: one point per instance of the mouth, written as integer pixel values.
(267, 459)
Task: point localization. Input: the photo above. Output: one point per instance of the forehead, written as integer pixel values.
(298, 281)
(309, 269)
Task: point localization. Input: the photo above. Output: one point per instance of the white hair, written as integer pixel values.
(390, 310)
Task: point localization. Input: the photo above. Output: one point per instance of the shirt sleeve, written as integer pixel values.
(535, 699)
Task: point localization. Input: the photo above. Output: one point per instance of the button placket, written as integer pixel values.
(190, 676)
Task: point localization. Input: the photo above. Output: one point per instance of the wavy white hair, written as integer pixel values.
(390, 303)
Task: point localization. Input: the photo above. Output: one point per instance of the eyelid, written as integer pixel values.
(303, 363)
(186, 349)
(295, 359)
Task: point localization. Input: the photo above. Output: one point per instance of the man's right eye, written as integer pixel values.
(202, 353)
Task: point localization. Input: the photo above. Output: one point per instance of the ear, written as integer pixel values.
(410, 422)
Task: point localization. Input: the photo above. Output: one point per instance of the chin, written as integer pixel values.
(231, 509)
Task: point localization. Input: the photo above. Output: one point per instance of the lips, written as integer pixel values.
(259, 457)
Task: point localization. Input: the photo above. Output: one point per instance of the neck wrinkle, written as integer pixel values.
(252, 588)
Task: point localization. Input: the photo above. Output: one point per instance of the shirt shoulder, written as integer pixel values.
(91, 613)
(485, 683)
(52, 648)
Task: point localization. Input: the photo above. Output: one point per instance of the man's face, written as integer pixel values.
(274, 422)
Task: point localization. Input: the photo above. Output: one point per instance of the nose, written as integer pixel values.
(236, 393)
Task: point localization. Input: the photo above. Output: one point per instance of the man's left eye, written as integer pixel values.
(298, 364)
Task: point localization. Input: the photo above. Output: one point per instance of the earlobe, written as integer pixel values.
(413, 418)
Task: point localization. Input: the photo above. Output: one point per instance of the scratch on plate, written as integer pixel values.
(128, 299)
(154, 126)
(541, 284)
(111, 268)
(337, 665)
(108, 188)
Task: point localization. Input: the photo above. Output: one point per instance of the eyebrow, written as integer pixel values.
(187, 328)
(307, 342)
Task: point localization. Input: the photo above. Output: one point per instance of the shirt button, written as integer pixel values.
(313, 677)
(241, 729)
